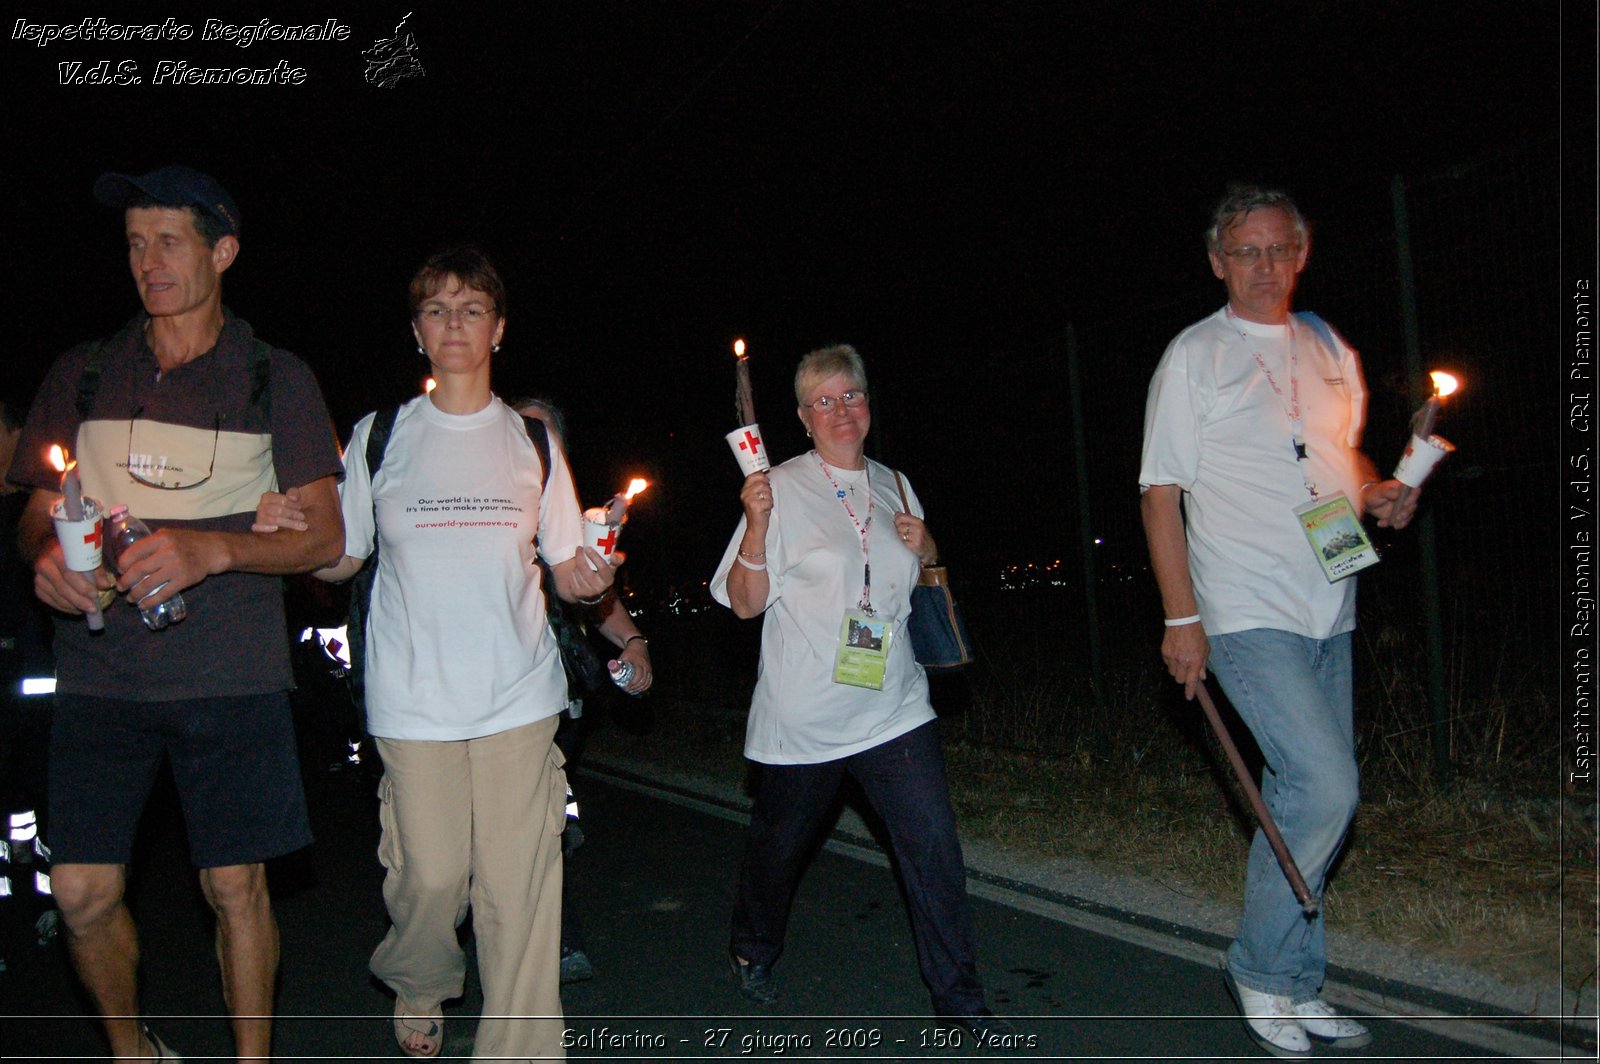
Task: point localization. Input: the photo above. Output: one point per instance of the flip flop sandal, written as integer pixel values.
(162, 1052)
(424, 1027)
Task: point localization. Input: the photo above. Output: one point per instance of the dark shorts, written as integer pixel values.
(233, 758)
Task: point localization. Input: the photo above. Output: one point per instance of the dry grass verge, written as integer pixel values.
(1463, 877)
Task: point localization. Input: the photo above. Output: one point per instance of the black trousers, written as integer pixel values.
(904, 781)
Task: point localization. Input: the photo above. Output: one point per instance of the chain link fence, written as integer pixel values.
(1487, 297)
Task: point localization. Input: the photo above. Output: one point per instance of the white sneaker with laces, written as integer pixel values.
(1325, 1025)
(1272, 1022)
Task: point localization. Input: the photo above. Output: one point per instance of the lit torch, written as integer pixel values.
(617, 508)
(744, 396)
(749, 450)
(1425, 450)
(603, 524)
(79, 534)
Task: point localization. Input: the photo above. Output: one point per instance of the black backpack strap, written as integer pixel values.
(261, 378)
(89, 379)
(585, 670)
(355, 633)
(539, 433)
(378, 441)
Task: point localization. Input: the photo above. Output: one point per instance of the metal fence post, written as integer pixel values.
(1438, 696)
(1085, 526)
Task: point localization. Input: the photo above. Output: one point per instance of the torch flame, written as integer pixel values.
(1443, 383)
(58, 458)
(738, 348)
(635, 486)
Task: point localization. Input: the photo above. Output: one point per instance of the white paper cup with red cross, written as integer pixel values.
(1419, 459)
(749, 449)
(599, 534)
(80, 540)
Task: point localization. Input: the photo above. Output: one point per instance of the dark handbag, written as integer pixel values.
(938, 633)
(585, 670)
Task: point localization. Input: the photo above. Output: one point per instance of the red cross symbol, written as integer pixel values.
(604, 546)
(751, 443)
(93, 538)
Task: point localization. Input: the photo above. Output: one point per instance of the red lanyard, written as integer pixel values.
(1297, 426)
(862, 527)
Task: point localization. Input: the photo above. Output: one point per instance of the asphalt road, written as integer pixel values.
(654, 889)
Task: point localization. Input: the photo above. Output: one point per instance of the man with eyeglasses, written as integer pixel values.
(1254, 420)
(187, 418)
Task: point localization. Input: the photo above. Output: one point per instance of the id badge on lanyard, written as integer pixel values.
(864, 637)
(1330, 524)
(863, 653)
(1336, 537)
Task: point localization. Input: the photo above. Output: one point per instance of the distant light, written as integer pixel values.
(1098, 541)
(39, 685)
(429, 385)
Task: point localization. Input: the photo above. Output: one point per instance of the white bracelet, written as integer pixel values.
(755, 568)
(1179, 622)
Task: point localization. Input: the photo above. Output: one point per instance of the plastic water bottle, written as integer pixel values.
(122, 531)
(621, 672)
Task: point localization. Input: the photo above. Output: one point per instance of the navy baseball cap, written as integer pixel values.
(171, 186)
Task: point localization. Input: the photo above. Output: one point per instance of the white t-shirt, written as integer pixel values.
(457, 642)
(1215, 426)
(798, 715)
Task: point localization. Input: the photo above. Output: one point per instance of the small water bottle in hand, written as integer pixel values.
(123, 530)
(621, 672)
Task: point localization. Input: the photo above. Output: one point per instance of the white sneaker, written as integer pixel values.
(1271, 1021)
(1325, 1025)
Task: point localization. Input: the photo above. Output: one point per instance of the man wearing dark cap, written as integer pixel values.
(187, 418)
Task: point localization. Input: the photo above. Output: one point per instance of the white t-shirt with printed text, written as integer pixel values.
(457, 642)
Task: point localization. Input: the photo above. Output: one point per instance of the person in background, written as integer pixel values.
(1252, 412)
(24, 721)
(822, 539)
(617, 626)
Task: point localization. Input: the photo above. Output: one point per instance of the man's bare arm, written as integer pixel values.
(181, 558)
(1184, 648)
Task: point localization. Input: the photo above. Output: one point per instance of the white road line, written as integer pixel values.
(1468, 1030)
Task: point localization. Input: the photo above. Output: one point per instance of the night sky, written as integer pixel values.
(945, 185)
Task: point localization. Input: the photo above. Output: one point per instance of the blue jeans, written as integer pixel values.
(905, 782)
(1295, 695)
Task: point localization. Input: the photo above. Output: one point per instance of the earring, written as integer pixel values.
(494, 349)
(421, 352)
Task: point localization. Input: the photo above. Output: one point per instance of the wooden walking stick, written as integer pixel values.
(1269, 828)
